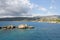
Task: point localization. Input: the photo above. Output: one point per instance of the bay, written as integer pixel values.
(42, 31)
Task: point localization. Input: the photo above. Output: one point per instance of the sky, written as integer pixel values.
(18, 8)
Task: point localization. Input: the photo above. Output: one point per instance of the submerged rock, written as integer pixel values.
(30, 27)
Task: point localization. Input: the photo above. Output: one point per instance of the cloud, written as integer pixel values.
(15, 7)
(52, 7)
(42, 9)
(51, 13)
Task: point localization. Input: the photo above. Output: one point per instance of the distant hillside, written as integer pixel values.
(16, 19)
(37, 18)
(53, 18)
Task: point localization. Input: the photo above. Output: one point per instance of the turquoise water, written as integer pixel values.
(42, 31)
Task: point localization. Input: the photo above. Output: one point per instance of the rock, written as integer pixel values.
(30, 27)
(8, 27)
(25, 26)
(14, 26)
(22, 26)
(0, 27)
(4, 27)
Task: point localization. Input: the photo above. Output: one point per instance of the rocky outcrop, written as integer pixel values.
(0, 27)
(21, 26)
(9, 27)
(25, 26)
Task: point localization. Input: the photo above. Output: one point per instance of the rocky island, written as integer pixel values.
(21, 26)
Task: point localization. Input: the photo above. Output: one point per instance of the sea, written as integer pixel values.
(42, 31)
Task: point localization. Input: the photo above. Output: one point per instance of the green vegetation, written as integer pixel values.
(58, 20)
(50, 19)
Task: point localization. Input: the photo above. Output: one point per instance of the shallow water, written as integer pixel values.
(42, 31)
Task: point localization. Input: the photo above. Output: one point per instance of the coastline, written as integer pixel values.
(37, 21)
(52, 22)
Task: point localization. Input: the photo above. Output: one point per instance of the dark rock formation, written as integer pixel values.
(9, 27)
(0, 27)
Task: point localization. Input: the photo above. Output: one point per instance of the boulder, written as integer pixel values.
(22, 26)
(0, 27)
(4, 27)
(10, 27)
(25, 26)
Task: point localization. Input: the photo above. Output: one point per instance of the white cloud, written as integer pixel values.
(38, 14)
(10, 8)
(15, 7)
(42, 9)
(51, 13)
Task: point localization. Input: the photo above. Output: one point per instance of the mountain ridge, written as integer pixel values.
(29, 18)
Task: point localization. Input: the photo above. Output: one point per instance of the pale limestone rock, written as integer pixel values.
(22, 26)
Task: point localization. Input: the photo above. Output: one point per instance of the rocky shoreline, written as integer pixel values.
(21, 26)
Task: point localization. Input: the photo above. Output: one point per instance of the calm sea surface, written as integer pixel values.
(42, 31)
